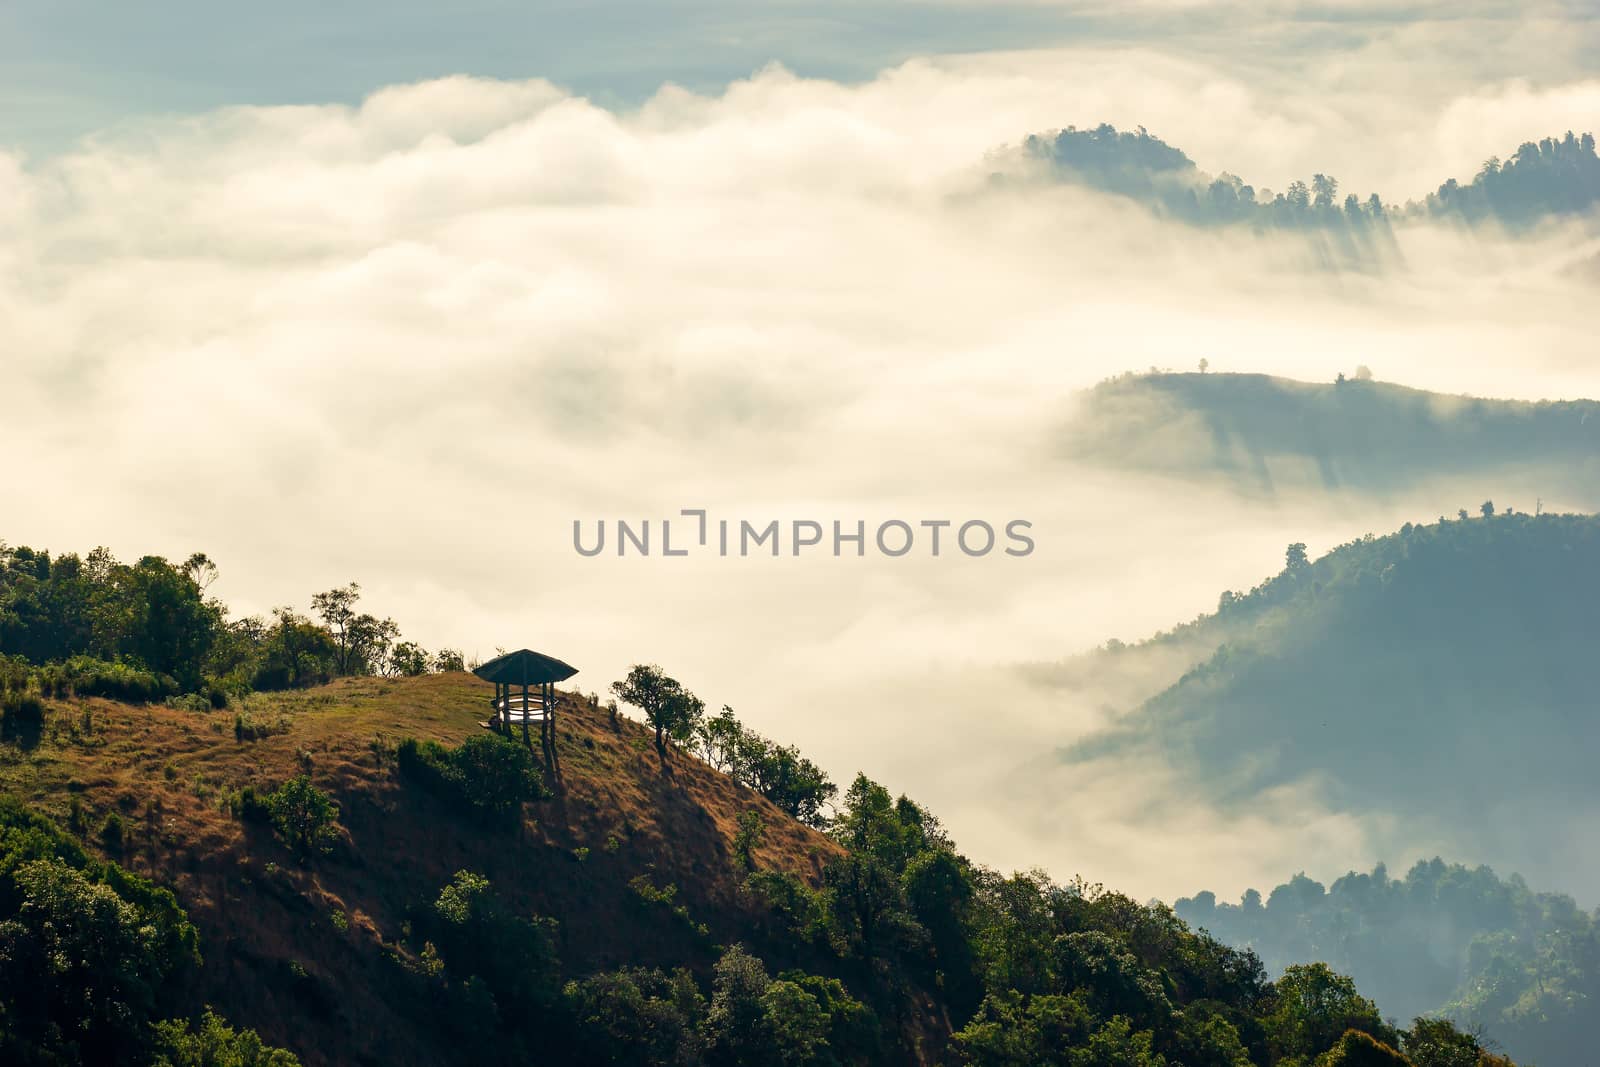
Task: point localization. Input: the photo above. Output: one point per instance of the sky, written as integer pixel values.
(356, 292)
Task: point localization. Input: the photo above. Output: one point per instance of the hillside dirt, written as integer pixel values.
(309, 954)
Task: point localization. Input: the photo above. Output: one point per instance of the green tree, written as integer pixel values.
(304, 815)
(1437, 1043)
(796, 1024)
(1312, 1008)
(408, 660)
(214, 1044)
(76, 969)
(668, 707)
(752, 829)
(636, 1016)
(736, 1030)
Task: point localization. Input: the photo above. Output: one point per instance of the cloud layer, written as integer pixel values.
(410, 342)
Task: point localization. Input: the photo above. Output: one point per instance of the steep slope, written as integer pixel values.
(1444, 675)
(1264, 433)
(313, 956)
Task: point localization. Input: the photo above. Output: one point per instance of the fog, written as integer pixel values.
(409, 342)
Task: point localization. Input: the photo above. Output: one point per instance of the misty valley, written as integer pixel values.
(955, 534)
(295, 824)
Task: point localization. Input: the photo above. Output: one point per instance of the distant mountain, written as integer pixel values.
(1488, 951)
(1552, 177)
(1443, 677)
(1264, 433)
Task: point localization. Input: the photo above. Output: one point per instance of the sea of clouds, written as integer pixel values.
(409, 342)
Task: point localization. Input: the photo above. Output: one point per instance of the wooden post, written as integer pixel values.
(525, 738)
(550, 714)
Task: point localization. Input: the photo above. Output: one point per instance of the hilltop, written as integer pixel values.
(1549, 178)
(1264, 433)
(1397, 675)
(306, 954)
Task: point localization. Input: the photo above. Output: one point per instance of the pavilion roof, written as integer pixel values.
(525, 667)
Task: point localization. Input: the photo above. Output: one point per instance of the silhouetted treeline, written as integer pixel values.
(1550, 177)
(1264, 433)
(1445, 938)
(1146, 168)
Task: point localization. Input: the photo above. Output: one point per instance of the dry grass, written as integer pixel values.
(301, 952)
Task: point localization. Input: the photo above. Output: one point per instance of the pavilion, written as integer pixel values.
(525, 691)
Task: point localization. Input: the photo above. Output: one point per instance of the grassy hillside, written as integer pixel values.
(1264, 433)
(423, 936)
(305, 953)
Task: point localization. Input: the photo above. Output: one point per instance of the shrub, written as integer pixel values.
(752, 831)
(87, 677)
(22, 709)
(488, 776)
(111, 832)
(215, 1044)
(246, 727)
(247, 806)
(304, 815)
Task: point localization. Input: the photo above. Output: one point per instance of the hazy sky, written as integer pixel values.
(405, 331)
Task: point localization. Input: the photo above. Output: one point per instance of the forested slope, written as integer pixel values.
(361, 873)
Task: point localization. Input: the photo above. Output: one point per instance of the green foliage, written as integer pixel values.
(668, 707)
(635, 1016)
(1312, 1009)
(362, 643)
(305, 816)
(111, 832)
(796, 785)
(408, 660)
(144, 632)
(90, 955)
(1437, 1043)
(88, 677)
(151, 615)
(1445, 938)
(500, 968)
(21, 709)
(757, 1021)
(214, 1044)
(752, 830)
(249, 806)
(487, 775)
